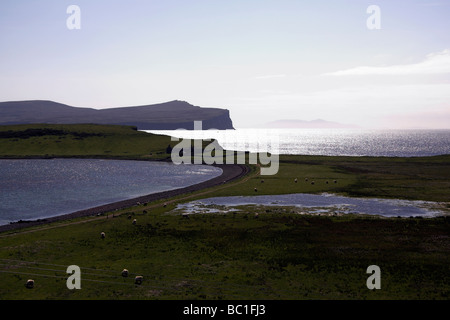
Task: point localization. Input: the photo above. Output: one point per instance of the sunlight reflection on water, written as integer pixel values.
(331, 142)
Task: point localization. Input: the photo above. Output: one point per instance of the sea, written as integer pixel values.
(329, 142)
(33, 189)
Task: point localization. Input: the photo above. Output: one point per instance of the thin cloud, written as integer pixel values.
(270, 76)
(432, 4)
(434, 63)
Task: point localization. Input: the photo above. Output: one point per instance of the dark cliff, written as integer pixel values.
(164, 116)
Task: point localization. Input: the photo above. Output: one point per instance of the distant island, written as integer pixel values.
(163, 116)
(313, 124)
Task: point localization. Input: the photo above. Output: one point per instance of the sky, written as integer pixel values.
(262, 60)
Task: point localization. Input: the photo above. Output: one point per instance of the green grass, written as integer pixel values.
(279, 255)
(81, 140)
(422, 178)
(284, 181)
(233, 256)
(425, 178)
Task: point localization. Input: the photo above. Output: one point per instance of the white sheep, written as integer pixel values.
(134, 221)
(30, 284)
(295, 180)
(102, 235)
(125, 273)
(138, 279)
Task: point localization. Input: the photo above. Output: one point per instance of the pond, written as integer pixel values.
(326, 204)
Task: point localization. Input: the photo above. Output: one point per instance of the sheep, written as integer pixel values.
(30, 284)
(295, 180)
(138, 279)
(165, 205)
(102, 235)
(312, 182)
(256, 190)
(326, 182)
(134, 221)
(125, 273)
(262, 181)
(256, 215)
(335, 181)
(306, 179)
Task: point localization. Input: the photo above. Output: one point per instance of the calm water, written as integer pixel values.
(331, 142)
(320, 204)
(32, 189)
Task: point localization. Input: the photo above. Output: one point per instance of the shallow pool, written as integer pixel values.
(321, 204)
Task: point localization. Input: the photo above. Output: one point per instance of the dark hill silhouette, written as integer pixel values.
(163, 116)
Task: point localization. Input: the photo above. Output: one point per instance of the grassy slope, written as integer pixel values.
(280, 255)
(402, 178)
(421, 178)
(276, 256)
(102, 141)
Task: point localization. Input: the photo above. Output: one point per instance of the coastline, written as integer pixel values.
(230, 172)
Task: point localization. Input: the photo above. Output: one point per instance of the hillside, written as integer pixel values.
(81, 141)
(164, 116)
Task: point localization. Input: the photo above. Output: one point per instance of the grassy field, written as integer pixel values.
(278, 255)
(425, 178)
(81, 140)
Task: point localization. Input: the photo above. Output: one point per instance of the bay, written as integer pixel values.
(39, 188)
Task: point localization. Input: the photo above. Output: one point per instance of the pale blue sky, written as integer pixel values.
(262, 60)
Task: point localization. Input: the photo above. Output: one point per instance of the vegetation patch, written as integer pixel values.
(38, 132)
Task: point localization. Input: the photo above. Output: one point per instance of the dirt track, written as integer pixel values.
(230, 172)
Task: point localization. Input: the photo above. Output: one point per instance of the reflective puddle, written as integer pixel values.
(321, 204)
